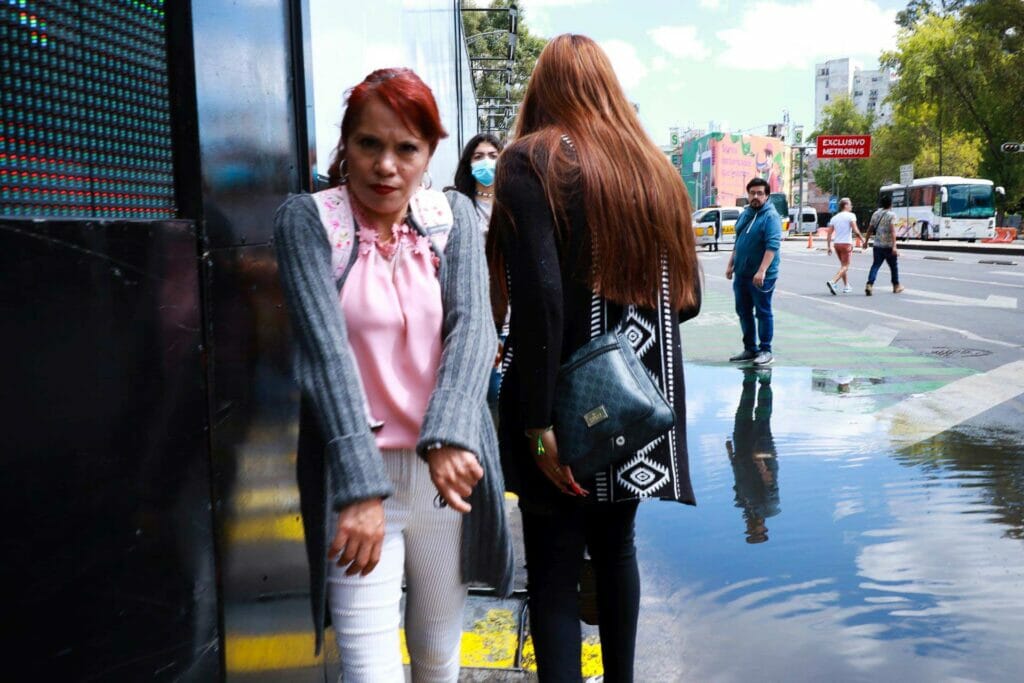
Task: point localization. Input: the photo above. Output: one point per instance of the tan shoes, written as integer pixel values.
(896, 289)
(867, 289)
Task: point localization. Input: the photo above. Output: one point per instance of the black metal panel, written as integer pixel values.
(108, 547)
(247, 115)
(254, 150)
(265, 577)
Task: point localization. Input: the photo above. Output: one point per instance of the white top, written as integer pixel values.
(843, 224)
(483, 214)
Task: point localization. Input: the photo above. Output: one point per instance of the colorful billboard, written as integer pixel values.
(717, 167)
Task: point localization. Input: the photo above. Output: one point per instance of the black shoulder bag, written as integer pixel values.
(606, 405)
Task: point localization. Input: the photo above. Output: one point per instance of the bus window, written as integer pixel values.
(970, 201)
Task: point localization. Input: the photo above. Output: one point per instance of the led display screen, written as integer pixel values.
(85, 126)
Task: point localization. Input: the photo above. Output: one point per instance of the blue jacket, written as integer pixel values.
(756, 232)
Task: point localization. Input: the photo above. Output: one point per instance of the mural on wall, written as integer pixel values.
(717, 167)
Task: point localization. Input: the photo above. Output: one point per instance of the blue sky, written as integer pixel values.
(688, 62)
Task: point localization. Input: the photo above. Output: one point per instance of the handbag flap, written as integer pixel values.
(606, 404)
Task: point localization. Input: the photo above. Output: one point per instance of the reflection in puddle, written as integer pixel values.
(884, 564)
(752, 454)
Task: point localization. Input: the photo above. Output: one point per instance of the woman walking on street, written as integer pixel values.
(841, 229)
(591, 225)
(385, 283)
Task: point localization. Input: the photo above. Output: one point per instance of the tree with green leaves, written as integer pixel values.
(961, 64)
(487, 38)
(851, 178)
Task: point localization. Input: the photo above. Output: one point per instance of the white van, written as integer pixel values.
(808, 225)
(715, 219)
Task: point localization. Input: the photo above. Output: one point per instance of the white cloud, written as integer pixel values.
(538, 16)
(772, 36)
(710, 4)
(659, 63)
(680, 42)
(628, 66)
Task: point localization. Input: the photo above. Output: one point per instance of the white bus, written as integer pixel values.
(944, 207)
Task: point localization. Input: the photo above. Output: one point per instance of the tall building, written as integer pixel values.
(870, 88)
(832, 79)
(845, 78)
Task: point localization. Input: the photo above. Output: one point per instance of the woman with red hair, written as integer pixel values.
(591, 227)
(398, 473)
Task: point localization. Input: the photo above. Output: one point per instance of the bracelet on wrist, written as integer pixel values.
(538, 437)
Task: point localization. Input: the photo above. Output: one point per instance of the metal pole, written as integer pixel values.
(800, 215)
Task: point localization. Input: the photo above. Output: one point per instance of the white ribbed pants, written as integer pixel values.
(424, 541)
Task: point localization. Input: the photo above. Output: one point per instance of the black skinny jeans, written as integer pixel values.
(554, 555)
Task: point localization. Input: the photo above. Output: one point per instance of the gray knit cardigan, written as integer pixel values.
(338, 458)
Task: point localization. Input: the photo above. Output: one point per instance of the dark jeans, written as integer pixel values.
(755, 302)
(554, 542)
(884, 254)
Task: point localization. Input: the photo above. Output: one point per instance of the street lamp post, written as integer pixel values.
(802, 149)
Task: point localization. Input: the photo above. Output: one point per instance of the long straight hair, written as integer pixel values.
(637, 209)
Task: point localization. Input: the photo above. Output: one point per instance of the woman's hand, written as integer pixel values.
(454, 472)
(547, 460)
(359, 536)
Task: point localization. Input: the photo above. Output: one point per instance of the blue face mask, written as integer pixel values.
(483, 171)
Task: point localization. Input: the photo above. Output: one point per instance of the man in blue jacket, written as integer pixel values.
(755, 264)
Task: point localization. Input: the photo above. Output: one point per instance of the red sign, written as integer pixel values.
(844, 146)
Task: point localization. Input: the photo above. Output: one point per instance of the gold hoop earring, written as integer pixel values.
(426, 181)
(343, 172)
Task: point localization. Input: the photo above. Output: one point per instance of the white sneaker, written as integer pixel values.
(847, 289)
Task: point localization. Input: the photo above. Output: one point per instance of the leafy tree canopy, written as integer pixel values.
(488, 41)
(961, 80)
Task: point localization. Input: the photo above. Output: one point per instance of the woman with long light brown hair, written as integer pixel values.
(591, 228)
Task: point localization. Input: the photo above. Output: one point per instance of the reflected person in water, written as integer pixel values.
(752, 454)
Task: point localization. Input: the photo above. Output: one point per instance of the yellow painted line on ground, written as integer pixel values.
(246, 654)
(490, 645)
(266, 528)
(267, 499)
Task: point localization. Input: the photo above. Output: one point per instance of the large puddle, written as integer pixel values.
(819, 551)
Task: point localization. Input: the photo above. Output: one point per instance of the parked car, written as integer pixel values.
(715, 225)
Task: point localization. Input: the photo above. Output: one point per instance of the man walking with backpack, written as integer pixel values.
(884, 249)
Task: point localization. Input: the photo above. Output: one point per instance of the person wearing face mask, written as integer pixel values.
(474, 176)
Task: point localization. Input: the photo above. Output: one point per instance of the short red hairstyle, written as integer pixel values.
(404, 93)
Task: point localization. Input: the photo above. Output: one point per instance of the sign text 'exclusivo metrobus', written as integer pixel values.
(844, 146)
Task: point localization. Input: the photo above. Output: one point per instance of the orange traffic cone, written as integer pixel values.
(810, 240)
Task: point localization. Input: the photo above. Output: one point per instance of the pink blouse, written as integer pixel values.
(392, 304)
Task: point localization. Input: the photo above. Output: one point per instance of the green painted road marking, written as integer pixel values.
(897, 388)
(801, 341)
